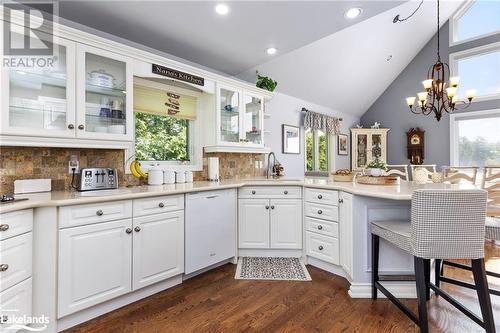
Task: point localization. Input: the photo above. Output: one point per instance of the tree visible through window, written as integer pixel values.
(317, 151)
(479, 141)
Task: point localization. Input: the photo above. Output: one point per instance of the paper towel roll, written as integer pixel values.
(213, 169)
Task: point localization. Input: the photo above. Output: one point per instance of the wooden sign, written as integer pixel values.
(181, 76)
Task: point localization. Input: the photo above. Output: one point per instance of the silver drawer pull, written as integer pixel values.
(320, 227)
(137, 229)
(212, 196)
(320, 247)
(272, 207)
(4, 267)
(128, 230)
(267, 207)
(161, 205)
(99, 212)
(341, 200)
(253, 192)
(286, 192)
(320, 196)
(4, 227)
(320, 211)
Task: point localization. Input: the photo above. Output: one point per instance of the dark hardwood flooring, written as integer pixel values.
(216, 302)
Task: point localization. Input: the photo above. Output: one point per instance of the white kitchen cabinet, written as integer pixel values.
(253, 223)
(286, 223)
(15, 260)
(346, 232)
(16, 300)
(210, 228)
(366, 145)
(158, 244)
(95, 264)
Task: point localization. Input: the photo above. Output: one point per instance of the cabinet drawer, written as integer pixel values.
(270, 192)
(323, 227)
(72, 216)
(158, 205)
(16, 301)
(16, 223)
(15, 258)
(322, 247)
(326, 197)
(324, 212)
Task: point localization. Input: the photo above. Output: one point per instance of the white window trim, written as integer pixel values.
(195, 133)
(454, 118)
(454, 25)
(469, 53)
(332, 143)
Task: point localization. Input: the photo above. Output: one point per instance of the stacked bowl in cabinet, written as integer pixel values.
(321, 210)
(16, 246)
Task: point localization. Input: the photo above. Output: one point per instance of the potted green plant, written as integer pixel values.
(377, 167)
(265, 82)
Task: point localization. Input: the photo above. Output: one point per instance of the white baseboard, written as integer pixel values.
(100, 309)
(270, 253)
(399, 289)
(330, 268)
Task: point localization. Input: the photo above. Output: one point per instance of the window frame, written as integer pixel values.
(454, 26)
(454, 120)
(195, 150)
(455, 57)
(331, 143)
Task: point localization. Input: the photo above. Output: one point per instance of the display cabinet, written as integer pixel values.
(366, 145)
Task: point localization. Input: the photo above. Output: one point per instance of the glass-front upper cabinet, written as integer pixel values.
(253, 119)
(367, 145)
(228, 108)
(38, 97)
(104, 94)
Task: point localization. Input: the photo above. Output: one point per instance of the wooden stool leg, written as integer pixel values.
(421, 294)
(437, 272)
(375, 256)
(427, 270)
(483, 294)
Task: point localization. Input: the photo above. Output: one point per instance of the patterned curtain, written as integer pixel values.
(327, 124)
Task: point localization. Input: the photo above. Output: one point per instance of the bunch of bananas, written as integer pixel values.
(135, 168)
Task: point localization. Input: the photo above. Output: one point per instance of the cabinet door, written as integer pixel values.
(362, 151)
(158, 248)
(345, 237)
(229, 120)
(104, 95)
(286, 224)
(95, 264)
(378, 147)
(16, 301)
(253, 120)
(39, 101)
(253, 223)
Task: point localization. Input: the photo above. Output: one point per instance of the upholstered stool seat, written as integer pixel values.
(396, 232)
(492, 228)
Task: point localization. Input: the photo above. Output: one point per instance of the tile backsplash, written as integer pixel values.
(34, 162)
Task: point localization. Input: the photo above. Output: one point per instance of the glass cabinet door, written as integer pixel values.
(38, 100)
(253, 119)
(105, 80)
(362, 151)
(376, 146)
(229, 111)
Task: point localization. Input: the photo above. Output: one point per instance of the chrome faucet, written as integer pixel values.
(270, 167)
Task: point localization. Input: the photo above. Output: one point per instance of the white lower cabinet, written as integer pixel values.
(158, 248)
(253, 223)
(322, 247)
(94, 264)
(16, 301)
(286, 223)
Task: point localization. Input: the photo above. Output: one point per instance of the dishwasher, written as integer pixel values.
(210, 228)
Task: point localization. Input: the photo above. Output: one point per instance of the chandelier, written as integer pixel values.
(439, 95)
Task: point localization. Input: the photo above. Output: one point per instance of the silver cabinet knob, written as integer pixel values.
(253, 192)
(4, 227)
(128, 230)
(137, 229)
(272, 206)
(71, 126)
(286, 192)
(320, 211)
(320, 196)
(320, 247)
(341, 200)
(4, 267)
(161, 205)
(99, 213)
(320, 227)
(267, 207)
(81, 127)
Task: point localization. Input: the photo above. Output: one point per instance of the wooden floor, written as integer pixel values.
(216, 302)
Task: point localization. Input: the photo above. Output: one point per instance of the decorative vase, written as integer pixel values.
(376, 172)
(420, 176)
(437, 177)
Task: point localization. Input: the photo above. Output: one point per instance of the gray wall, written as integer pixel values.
(285, 109)
(391, 111)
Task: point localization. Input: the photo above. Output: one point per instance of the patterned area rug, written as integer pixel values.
(263, 268)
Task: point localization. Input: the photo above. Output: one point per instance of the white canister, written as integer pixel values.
(189, 176)
(180, 177)
(168, 177)
(155, 176)
(420, 175)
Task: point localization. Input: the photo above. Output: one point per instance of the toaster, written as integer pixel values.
(98, 179)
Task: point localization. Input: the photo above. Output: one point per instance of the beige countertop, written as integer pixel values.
(402, 191)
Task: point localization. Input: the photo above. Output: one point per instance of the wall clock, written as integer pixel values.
(415, 145)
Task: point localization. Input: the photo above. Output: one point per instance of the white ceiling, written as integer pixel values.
(347, 71)
(230, 44)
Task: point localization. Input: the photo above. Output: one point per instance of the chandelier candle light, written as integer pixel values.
(438, 97)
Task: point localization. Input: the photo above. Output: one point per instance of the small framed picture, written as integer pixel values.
(291, 139)
(342, 147)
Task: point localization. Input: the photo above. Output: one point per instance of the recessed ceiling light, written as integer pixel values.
(271, 51)
(222, 9)
(353, 12)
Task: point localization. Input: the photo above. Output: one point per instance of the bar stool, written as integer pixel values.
(445, 224)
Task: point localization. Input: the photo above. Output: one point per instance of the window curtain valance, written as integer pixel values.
(327, 124)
